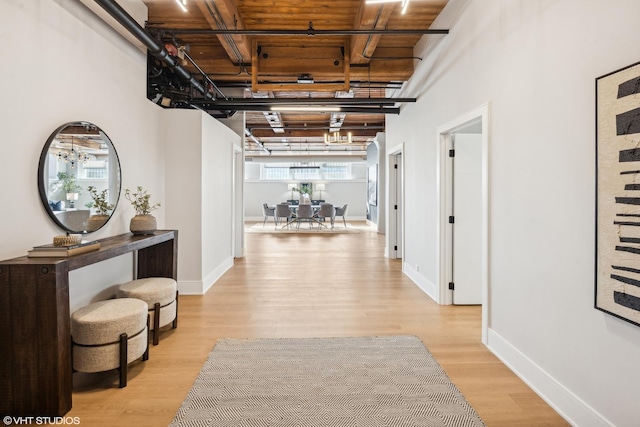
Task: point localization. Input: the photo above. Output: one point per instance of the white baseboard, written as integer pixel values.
(258, 219)
(195, 287)
(566, 403)
(216, 274)
(190, 287)
(423, 283)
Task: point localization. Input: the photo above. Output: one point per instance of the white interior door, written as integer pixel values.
(394, 204)
(467, 219)
(399, 205)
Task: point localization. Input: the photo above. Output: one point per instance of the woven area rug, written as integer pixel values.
(304, 228)
(324, 382)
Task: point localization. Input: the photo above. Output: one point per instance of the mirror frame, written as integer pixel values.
(43, 189)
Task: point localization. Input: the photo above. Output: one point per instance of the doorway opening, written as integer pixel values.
(463, 264)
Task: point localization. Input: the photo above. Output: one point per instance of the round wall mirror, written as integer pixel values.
(79, 177)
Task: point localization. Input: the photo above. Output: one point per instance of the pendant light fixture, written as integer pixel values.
(336, 138)
(72, 156)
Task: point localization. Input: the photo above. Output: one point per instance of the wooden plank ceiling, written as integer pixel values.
(267, 61)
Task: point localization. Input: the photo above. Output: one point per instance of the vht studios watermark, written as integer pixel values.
(9, 420)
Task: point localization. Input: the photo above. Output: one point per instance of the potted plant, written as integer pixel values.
(305, 193)
(143, 222)
(102, 206)
(67, 182)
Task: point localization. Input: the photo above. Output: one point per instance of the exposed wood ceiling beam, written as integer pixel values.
(380, 72)
(369, 18)
(277, 66)
(223, 16)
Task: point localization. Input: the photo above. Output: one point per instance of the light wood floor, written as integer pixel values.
(309, 286)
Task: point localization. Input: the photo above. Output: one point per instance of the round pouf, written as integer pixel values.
(161, 295)
(110, 334)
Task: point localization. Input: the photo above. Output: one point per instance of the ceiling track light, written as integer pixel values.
(182, 4)
(404, 3)
(318, 109)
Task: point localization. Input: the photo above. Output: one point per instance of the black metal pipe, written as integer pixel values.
(379, 102)
(156, 49)
(309, 32)
(354, 83)
(214, 106)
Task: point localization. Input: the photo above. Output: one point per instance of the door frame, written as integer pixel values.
(391, 193)
(444, 133)
(237, 224)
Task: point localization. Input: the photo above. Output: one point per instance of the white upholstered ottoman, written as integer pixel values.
(109, 335)
(161, 295)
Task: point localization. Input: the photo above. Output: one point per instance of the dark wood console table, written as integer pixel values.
(35, 336)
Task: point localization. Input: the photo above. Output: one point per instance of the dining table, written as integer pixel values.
(294, 209)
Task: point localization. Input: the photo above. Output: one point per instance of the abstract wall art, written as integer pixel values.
(617, 287)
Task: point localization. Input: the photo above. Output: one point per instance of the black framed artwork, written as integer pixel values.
(617, 287)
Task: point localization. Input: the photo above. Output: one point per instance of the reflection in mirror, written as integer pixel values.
(77, 156)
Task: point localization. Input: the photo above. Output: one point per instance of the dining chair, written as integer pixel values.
(343, 213)
(283, 210)
(267, 212)
(305, 213)
(326, 211)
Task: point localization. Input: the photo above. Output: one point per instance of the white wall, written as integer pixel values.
(72, 66)
(64, 64)
(199, 195)
(217, 198)
(535, 64)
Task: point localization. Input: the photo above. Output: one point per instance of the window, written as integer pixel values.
(274, 172)
(96, 169)
(336, 170)
(303, 171)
